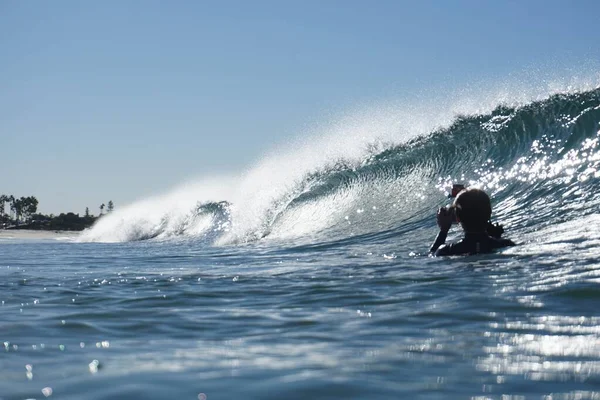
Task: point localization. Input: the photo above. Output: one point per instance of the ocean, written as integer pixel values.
(308, 276)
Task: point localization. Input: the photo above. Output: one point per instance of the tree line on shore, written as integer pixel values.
(23, 215)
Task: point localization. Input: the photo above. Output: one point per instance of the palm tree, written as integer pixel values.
(16, 206)
(102, 208)
(3, 199)
(29, 206)
(11, 200)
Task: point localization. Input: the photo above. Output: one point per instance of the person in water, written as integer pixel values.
(472, 208)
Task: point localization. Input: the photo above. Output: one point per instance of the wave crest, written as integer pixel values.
(539, 159)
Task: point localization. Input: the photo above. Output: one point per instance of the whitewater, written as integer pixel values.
(308, 275)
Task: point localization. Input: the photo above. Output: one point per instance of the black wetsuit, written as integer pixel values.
(472, 243)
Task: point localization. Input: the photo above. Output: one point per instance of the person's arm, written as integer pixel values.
(440, 239)
(444, 220)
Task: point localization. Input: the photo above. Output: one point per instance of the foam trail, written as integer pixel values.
(162, 216)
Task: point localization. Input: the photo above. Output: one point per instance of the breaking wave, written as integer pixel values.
(384, 172)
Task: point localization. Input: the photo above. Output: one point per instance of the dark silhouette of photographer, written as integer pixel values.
(472, 209)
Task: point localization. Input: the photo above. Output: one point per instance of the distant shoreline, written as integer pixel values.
(62, 222)
(45, 228)
(36, 234)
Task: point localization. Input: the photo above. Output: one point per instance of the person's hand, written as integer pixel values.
(445, 217)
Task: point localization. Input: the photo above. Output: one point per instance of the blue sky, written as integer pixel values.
(121, 99)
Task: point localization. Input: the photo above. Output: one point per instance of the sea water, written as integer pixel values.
(313, 281)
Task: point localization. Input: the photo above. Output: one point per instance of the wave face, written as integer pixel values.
(539, 160)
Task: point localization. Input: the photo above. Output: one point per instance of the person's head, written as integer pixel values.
(473, 209)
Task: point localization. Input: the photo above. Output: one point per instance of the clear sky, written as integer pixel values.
(104, 100)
